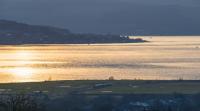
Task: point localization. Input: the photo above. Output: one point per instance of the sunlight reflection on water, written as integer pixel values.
(162, 58)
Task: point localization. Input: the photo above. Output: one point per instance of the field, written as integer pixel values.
(95, 87)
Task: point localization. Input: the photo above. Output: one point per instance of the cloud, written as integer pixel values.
(2, 4)
(104, 16)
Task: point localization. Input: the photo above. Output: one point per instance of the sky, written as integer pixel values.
(175, 17)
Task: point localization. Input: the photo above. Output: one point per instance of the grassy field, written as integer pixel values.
(114, 87)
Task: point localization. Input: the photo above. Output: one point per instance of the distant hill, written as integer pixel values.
(15, 28)
(12, 32)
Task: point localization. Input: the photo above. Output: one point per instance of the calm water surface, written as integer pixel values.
(162, 58)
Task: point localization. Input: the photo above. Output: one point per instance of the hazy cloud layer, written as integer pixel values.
(108, 16)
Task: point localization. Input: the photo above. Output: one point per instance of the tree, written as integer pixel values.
(20, 103)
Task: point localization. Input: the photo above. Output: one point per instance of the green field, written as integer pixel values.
(59, 88)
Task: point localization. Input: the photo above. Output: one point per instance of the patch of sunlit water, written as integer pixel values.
(22, 72)
(161, 58)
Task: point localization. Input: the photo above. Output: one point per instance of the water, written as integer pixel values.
(162, 58)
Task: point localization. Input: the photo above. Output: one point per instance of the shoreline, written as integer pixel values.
(98, 87)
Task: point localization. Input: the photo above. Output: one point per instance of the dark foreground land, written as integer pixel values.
(93, 87)
(108, 95)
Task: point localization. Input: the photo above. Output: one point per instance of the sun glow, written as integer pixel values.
(22, 72)
(22, 57)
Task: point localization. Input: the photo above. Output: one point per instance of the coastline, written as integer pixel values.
(105, 87)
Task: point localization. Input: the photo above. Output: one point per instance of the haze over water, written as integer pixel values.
(161, 58)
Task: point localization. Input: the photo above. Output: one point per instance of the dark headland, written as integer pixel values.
(12, 32)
